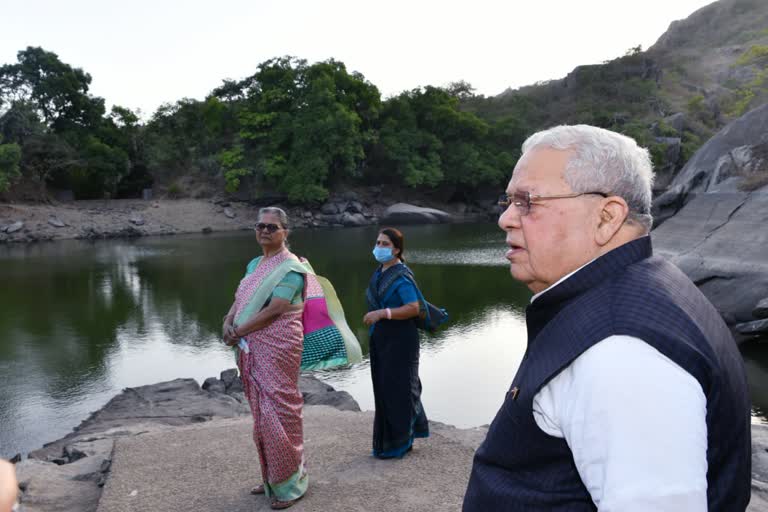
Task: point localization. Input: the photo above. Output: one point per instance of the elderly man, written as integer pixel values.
(631, 395)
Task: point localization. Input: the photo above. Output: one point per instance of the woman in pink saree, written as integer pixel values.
(265, 321)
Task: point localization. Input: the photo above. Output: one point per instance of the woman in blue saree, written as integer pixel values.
(393, 306)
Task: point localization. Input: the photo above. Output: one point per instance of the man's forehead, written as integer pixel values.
(538, 166)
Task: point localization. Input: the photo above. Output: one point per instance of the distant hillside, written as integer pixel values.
(703, 72)
(718, 54)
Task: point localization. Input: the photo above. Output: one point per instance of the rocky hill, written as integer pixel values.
(702, 73)
(717, 56)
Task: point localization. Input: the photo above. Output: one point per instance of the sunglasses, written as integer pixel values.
(523, 200)
(269, 228)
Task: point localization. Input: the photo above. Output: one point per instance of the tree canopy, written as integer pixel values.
(294, 129)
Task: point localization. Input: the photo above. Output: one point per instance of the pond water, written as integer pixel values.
(80, 321)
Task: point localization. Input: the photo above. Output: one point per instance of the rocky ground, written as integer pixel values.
(169, 445)
(179, 446)
(134, 217)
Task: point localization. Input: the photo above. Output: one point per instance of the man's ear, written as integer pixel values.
(613, 213)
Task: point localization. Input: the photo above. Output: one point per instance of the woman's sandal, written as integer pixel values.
(259, 489)
(280, 505)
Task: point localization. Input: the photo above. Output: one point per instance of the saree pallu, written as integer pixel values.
(270, 374)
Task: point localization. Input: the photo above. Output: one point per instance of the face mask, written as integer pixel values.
(383, 254)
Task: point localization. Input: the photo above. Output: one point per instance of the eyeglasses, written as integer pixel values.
(269, 228)
(524, 200)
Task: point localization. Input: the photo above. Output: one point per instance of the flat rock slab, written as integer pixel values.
(761, 310)
(213, 466)
(755, 327)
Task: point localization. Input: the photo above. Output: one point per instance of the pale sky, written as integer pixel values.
(143, 53)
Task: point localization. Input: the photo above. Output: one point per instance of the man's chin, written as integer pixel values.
(519, 274)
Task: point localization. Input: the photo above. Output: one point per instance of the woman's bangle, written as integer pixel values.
(389, 313)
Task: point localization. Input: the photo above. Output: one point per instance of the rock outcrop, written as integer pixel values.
(735, 159)
(712, 221)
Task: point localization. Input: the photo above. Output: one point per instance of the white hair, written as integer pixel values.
(603, 161)
(281, 215)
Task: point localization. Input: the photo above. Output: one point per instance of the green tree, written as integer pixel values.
(234, 170)
(428, 140)
(65, 138)
(58, 91)
(460, 89)
(99, 169)
(187, 136)
(307, 125)
(10, 156)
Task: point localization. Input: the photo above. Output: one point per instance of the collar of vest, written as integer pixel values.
(548, 305)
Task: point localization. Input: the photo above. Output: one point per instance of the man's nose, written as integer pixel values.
(509, 218)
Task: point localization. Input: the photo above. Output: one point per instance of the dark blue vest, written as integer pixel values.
(627, 291)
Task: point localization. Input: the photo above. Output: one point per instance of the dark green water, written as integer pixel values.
(79, 321)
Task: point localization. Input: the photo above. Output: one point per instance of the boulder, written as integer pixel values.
(761, 310)
(402, 213)
(337, 399)
(207, 230)
(330, 209)
(136, 219)
(229, 376)
(235, 387)
(56, 222)
(312, 385)
(13, 228)
(354, 207)
(354, 219)
(677, 121)
(214, 385)
(229, 213)
(317, 392)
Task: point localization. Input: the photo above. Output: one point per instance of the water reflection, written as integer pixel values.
(466, 370)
